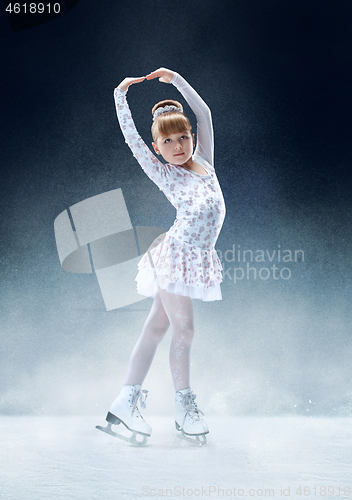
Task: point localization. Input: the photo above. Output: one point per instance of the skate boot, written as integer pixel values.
(188, 418)
(124, 410)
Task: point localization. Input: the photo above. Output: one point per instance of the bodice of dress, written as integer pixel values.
(200, 207)
(197, 198)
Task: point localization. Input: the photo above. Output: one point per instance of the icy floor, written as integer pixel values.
(67, 458)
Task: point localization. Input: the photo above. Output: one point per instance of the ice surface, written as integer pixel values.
(67, 458)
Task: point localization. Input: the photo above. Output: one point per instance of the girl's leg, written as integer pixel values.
(143, 353)
(179, 310)
(187, 416)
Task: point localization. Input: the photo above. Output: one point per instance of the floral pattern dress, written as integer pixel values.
(183, 260)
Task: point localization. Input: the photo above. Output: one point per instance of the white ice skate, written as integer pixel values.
(188, 419)
(124, 410)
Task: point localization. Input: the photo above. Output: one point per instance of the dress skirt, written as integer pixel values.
(180, 268)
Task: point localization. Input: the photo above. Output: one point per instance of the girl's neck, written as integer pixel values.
(195, 167)
(189, 163)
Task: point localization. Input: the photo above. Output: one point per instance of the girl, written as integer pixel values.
(184, 264)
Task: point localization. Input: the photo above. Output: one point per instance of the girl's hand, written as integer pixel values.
(164, 75)
(129, 81)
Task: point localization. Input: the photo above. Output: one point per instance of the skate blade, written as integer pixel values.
(132, 439)
(197, 439)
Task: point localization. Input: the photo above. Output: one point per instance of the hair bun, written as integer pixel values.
(167, 102)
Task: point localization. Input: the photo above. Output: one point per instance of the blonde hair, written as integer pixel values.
(170, 122)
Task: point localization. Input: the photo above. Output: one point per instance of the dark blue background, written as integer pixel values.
(277, 76)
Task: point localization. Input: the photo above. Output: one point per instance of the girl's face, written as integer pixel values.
(175, 148)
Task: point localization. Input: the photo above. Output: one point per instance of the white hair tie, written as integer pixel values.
(160, 111)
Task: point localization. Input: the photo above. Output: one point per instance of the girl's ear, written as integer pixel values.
(194, 141)
(156, 148)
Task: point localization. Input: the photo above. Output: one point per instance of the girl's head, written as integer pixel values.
(172, 133)
(171, 122)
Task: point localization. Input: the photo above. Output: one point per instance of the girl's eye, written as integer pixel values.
(167, 140)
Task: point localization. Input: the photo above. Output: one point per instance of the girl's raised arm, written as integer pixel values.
(155, 169)
(205, 135)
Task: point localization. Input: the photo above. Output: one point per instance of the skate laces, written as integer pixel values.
(188, 401)
(142, 396)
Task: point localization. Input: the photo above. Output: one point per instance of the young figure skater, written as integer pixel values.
(184, 265)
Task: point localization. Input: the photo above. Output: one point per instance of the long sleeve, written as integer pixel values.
(155, 169)
(205, 136)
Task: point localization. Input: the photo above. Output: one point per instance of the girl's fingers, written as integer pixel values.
(138, 80)
(164, 75)
(130, 81)
(155, 74)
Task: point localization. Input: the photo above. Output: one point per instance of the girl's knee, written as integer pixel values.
(158, 332)
(187, 334)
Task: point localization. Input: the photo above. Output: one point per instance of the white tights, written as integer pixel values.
(168, 308)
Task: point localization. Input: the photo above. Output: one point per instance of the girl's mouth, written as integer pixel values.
(178, 154)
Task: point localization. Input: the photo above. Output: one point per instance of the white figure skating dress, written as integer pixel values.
(184, 261)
